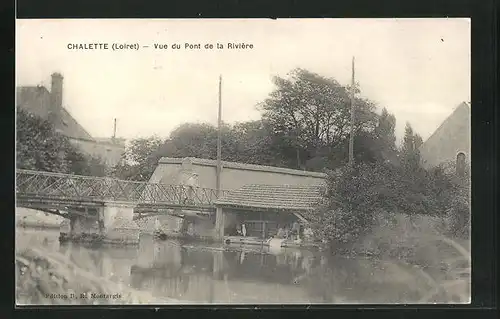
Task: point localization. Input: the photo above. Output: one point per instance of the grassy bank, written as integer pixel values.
(417, 254)
(33, 218)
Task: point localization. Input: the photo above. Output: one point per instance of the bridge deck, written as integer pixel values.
(35, 187)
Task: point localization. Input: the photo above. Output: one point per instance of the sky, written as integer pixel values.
(419, 69)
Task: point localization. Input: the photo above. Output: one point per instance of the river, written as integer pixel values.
(203, 273)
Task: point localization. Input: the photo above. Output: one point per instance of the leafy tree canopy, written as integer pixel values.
(40, 147)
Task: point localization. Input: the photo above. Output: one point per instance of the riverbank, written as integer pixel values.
(26, 217)
(421, 246)
(44, 277)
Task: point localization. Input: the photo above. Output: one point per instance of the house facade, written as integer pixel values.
(202, 173)
(48, 105)
(451, 141)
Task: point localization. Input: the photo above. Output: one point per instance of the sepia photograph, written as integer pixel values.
(242, 161)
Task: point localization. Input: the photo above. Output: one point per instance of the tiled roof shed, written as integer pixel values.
(293, 198)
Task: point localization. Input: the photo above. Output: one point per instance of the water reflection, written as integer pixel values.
(210, 274)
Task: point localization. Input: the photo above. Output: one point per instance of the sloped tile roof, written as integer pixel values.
(70, 127)
(279, 197)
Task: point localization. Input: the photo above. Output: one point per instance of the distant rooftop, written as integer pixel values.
(111, 141)
(278, 197)
(242, 166)
(35, 100)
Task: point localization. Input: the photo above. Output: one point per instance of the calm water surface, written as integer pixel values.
(202, 273)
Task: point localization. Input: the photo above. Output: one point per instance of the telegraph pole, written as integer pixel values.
(114, 129)
(351, 135)
(219, 215)
(219, 146)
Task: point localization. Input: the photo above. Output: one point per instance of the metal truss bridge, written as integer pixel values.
(36, 189)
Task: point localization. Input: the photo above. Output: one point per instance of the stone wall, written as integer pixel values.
(233, 175)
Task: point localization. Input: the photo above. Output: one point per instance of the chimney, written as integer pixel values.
(56, 91)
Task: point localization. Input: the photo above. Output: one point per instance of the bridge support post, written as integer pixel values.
(79, 227)
(219, 223)
(113, 224)
(117, 224)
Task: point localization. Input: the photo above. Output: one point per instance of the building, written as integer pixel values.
(451, 140)
(266, 208)
(202, 173)
(48, 105)
(262, 197)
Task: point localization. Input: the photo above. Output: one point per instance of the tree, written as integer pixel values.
(385, 137)
(417, 141)
(408, 142)
(385, 130)
(247, 142)
(39, 146)
(410, 153)
(459, 205)
(310, 115)
(192, 140)
(255, 144)
(305, 124)
(139, 160)
(352, 197)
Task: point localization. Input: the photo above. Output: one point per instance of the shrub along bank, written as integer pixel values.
(378, 208)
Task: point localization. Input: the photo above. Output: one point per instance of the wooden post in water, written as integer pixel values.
(351, 135)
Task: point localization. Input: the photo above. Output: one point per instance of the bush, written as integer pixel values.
(355, 195)
(458, 209)
(352, 197)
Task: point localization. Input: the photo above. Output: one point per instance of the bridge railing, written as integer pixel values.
(78, 187)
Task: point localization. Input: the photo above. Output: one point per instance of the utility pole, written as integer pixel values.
(114, 129)
(219, 145)
(351, 135)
